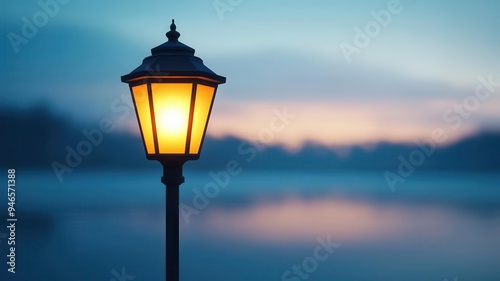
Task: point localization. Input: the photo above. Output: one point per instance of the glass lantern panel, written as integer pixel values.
(172, 102)
(141, 101)
(203, 102)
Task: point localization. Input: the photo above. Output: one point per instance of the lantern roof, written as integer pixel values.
(173, 58)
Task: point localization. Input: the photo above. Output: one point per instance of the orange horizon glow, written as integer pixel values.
(342, 123)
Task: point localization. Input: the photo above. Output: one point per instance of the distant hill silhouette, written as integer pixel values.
(37, 138)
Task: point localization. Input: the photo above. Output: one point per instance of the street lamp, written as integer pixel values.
(173, 93)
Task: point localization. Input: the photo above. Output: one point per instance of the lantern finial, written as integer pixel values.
(173, 35)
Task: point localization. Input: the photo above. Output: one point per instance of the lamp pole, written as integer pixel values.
(173, 93)
(172, 178)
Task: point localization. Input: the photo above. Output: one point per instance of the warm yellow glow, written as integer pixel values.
(141, 100)
(204, 96)
(171, 121)
(171, 108)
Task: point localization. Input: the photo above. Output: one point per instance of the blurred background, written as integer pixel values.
(368, 130)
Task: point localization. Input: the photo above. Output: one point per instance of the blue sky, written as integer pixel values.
(276, 55)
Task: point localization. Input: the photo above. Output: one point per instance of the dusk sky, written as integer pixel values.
(419, 69)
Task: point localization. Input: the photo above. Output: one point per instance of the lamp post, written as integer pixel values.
(173, 93)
